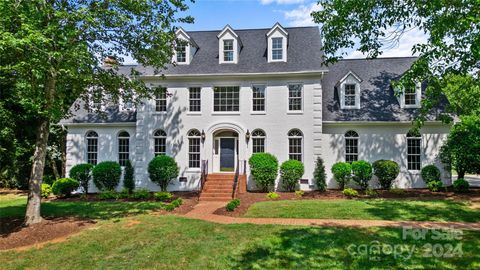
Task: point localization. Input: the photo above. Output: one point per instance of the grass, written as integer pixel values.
(14, 206)
(380, 209)
(171, 242)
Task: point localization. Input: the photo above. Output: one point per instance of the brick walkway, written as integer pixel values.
(204, 211)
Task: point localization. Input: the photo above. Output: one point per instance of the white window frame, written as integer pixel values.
(351, 136)
(179, 52)
(350, 79)
(413, 137)
(291, 98)
(199, 99)
(190, 47)
(295, 136)
(158, 99)
(159, 135)
(278, 50)
(253, 111)
(232, 50)
(277, 31)
(225, 112)
(259, 135)
(121, 151)
(418, 98)
(90, 137)
(194, 135)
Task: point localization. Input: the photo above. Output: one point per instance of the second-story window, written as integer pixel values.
(228, 50)
(258, 98)
(194, 99)
(181, 53)
(410, 97)
(161, 100)
(226, 99)
(350, 95)
(277, 48)
(295, 97)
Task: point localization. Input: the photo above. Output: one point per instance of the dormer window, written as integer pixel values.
(181, 53)
(411, 97)
(277, 39)
(185, 48)
(228, 50)
(349, 91)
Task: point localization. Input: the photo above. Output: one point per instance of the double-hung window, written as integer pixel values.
(414, 152)
(123, 148)
(181, 53)
(295, 97)
(351, 146)
(350, 95)
(92, 147)
(258, 141)
(295, 144)
(226, 99)
(258, 98)
(194, 137)
(161, 100)
(160, 142)
(410, 96)
(195, 101)
(277, 48)
(228, 50)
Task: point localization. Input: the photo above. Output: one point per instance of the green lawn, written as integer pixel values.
(437, 210)
(14, 206)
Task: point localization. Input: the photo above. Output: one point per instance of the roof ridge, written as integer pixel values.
(247, 29)
(377, 58)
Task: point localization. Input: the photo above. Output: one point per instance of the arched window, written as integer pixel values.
(414, 151)
(258, 141)
(194, 137)
(295, 138)
(159, 142)
(351, 146)
(92, 147)
(123, 148)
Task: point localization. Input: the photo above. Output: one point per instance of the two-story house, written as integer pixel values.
(232, 93)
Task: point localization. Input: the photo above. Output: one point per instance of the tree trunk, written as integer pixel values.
(461, 174)
(53, 163)
(32, 214)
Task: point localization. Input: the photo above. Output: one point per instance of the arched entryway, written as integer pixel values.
(225, 150)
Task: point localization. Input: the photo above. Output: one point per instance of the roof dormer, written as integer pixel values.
(229, 45)
(185, 48)
(349, 91)
(410, 97)
(277, 41)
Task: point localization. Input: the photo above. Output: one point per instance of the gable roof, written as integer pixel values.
(377, 99)
(304, 54)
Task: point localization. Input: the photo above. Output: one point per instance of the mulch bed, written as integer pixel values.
(250, 198)
(14, 235)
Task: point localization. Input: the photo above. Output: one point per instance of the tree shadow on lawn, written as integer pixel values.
(429, 210)
(348, 248)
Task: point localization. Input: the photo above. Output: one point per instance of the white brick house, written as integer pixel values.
(236, 92)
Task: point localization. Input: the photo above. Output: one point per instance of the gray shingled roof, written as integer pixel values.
(377, 100)
(303, 54)
(112, 114)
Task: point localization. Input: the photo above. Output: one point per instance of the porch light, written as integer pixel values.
(203, 135)
(247, 135)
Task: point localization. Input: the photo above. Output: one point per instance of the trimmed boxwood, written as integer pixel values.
(362, 173)
(82, 173)
(162, 170)
(386, 171)
(430, 173)
(64, 187)
(106, 175)
(342, 172)
(461, 185)
(264, 169)
(290, 172)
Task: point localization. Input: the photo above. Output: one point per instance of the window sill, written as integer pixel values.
(258, 112)
(294, 112)
(225, 113)
(411, 107)
(193, 170)
(194, 113)
(350, 108)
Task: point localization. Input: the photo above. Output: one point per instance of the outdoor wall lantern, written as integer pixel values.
(247, 135)
(203, 135)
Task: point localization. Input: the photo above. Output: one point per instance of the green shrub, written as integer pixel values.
(342, 172)
(232, 205)
(46, 190)
(319, 175)
(82, 173)
(386, 171)
(124, 194)
(129, 177)
(435, 185)
(48, 179)
(163, 196)
(371, 193)
(430, 173)
(177, 202)
(162, 170)
(264, 169)
(108, 195)
(106, 175)
(350, 192)
(362, 173)
(290, 172)
(299, 193)
(461, 185)
(170, 207)
(141, 194)
(64, 187)
(272, 195)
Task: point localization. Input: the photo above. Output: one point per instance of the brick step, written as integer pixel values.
(220, 177)
(217, 189)
(216, 194)
(216, 199)
(219, 183)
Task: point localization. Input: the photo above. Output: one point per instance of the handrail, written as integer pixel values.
(203, 176)
(235, 179)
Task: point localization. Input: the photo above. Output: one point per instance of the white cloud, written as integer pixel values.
(300, 16)
(281, 2)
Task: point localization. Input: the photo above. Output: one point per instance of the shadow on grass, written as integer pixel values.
(342, 248)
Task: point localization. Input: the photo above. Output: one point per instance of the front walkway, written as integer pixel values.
(204, 211)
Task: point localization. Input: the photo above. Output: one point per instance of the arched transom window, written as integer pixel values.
(159, 142)
(351, 146)
(295, 142)
(258, 141)
(123, 148)
(92, 147)
(194, 137)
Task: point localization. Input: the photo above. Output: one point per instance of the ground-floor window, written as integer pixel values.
(351, 146)
(295, 138)
(160, 141)
(414, 151)
(258, 141)
(92, 147)
(123, 148)
(194, 138)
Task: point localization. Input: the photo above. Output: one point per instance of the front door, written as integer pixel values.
(227, 154)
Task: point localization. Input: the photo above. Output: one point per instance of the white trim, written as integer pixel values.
(259, 74)
(352, 123)
(225, 29)
(115, 124)
(353, 74)
(302, 98)
(264, 98)
(279, 27)
(418, 98)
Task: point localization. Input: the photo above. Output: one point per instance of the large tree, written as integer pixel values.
(52, 50)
